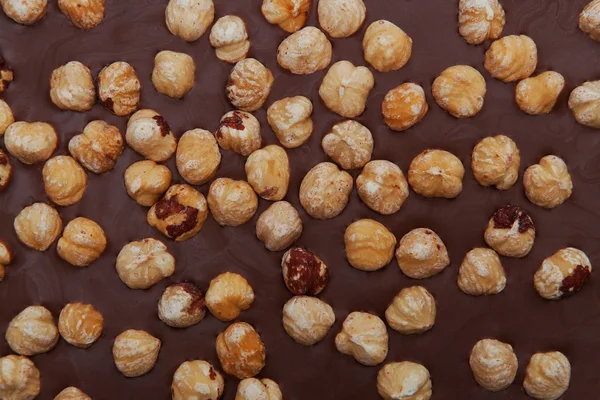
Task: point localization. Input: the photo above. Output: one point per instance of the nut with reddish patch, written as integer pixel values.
(174, 73)
(341, 18)
(495, 162)
(589, 19)
(369, 245)
(249, 84)
(254, 389)
(460, 90)
(304, 272)
(422, 254)
(480, 20)
(547, 376)
(198, 380)
(6, 115)
(305, 52)
(6, 75)
(144, 263)
(511, 58)
(412, 311)
(241, 351)
(279, 226)
(345, 88)
(382, 187)
(82, 242)
(562, 274)
(494, 364)
(386, 47)
(65, 180)
(548, 184)
(25, 12)
(5, 170)
(149, 134)
(229, 37)
(72, 87)
(436, 173)
(364, 337)
(290, 120)
(198, 156)
(229, 294)
(325, 191)
(84, 14)
(19, 378)
(481, 273)
(510, 232)
(181, 305)
(189, 19)
(146, 181)
(231, 203)
(404, 381)
(290, 15)
(404, 106)
(135, 352)
(38, 226)
(72, 393)
(30, 142)
(119, 88)
(80, 324)
(98, 147)
(268, 172)
(32, 331)
(349, 144)
(239, 131)
(307, 319)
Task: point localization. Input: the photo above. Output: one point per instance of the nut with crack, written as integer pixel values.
(562, 274)
(144, 263)
(228, 295)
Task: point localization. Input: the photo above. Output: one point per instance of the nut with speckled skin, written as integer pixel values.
(80, 324)
(254, 389)
(480, 20)
(231, 203)
(404, 106)
(119, 88)
(290, 120)
(5, 258)
(386, 47)
(241, 351)
(5, 170)
(82, 242)
(495, 162)
(547, 376)
(325, 191)
(481, 273)
(6, 76)
(341, 18)
(511, 58)
(32, 331)
(174, 73)
(494, 364)
(198, 156)
(279, 226)
(142, 264)
(510, 232)
(589, 19)
(584, 102)
(229, 37)
(249, 85)
(181, 305)
(538, 95)
(349, 144)
(19, 378)
(135, 352)
(38, 226)
(65, 180)
(548, 184)
(228, 295)
(304, 272)
(305, 52)
(562, 274)
(6, 116)
(25, 12)
(363, 337)
(98, 147)
(369, 245)
(290, 15)
(198, 380)
(436, 173)
(382, 186)
(239, 131)
(307, 319)
(460, 90)
(30, 142)
(72, 87)
(149, 134)
(412, 311)
(268, 172)
(404, 381)
(146, 181)
(422, 254)
(345, 88)
(84, 14)
(189, 19)
(72, 393)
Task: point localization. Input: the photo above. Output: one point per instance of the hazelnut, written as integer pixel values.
(480, 20)
(173, 73)
(495, 162)
(198, 156)
(510, 232)
(98, 147)
(548, 184)
(345, 88)
(19, 378)
(25, 12)
(325, 191)
(32, 331)
(84, 14)
(305, 52)
(5, 258)
(538, 95)
(241, 351)
(304, 272)
(290, 120)
(239, 132)
(144, 263)
(229, 37)
(5, 170)
(65, 180)
(268, 172)
(481, 273)
(82, 242)
(341, 18)
(562, 274)
(349, 144)
(382, 186)
(412, 311)
(460, 90)
(6, 75)
(198, 380)
(404, 106)
(149, 134)
(146, 181)
(589, 19)
(30, 142)
(38, 226)
(279, 226)
(422, 254)
(404, 381)
(231, 203)
(369, 245)
(228, 294)
(290, 15)
(189, 19)
(72, 393)
(307, 319)
(135, 352)
(363, 337)
(494, 364)
(6, 115)
(80, 324)
(119, 88)
(584, 102)
(72, 87)
(180, 214)
(386, 47)
(249, 85)
(181, 305)
(254, 389)
(436, 173)
(511, 58)
(547, 375)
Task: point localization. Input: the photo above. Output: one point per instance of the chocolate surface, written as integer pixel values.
(134, 31)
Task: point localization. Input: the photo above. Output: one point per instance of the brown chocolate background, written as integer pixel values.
(134, 31)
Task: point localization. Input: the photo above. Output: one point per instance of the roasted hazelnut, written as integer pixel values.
(404, 106)
(173, 73)
(19, 378)
(65, 180)
(325, 191)
(511, 58)
(30, 142)
(589, 19)
(480, 20)
(341, 18)
(349, 144)
(2, 272)
(80, 324)
(239, 131)
(72, 393)
(436, 173)
(5, 170)
(230, 39)
(307, 319)
(135, 352)
(149, 134)
(32, 331)
(538, 95)
(363, 337)
(146, 181)
(228, 294)
(38, 226)
(404, 381)
(494, 364)
(345, 88)
(144, 263)
(562, 274)
(119, 88)
(189, 19)
(547, 375)
(241, 351)
(198, 380)
(249, 84)
(382, 186)
(412, 311)
(481, 273)
(279, 226)
(98, 147)
(72, 87)
(84, 14)
(25, 12)
(268, 172)
(231, 203)
(6, 76)
(6, 115)
(460, 90)
(510, 232)
(305, 52)
(82, 242)
(198, 156)
(584, 102)
(5, 258)
(369, 245)
(181, 305)
(386, 47)
(180, 214)
(495, 162)
(422, 254)
(254, 389)
(548, 184)
(290, 15)
(290, 120)
(304, 272)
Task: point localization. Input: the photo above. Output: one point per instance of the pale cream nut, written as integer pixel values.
(547, 376)
(510, 232)
(412, 311)
(460, 90)
(548, 184)
(325, 191)
(228, 295)
(249, 85)
(98, 147)
(584, 102)
(422, 254)
(198, 156)
(144, 263)
(19, 378)
(305, 52)
(174, 73)
(38, 225)
(349, 144)
(146, 181)
(65, 180)
(198, 380)
(369, 245)
(341, 18)
(119, 88)
(345, 88)
(30, 142)
(495, 162)
(189, 19)
(268, 172)
(239, 131)
(241, 351)
(303, 272)
(254, 389)
(436, 173)
(135, 352)
(279, 226)
(481, 273)
(307, 319)
(480, 20)
(149, 134)
(72, 393)
(290, 15)
(6, 116)
(33, 331)
(404, 381)
(84, 14)
(80, 324)
(404, 106)
(5, 170)
(229, 37)
(382, 186)
(386, 47)
(72, 87)
(25, 12)
(494, 364)
(364, 337)
(82, 242)
(181, 305)
(290, 120)
(231, 202)
(511, 58)
(562, 274)
(589, 19)
(538, 95)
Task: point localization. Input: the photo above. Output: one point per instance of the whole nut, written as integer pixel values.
(279, 226)
(345, 88)
(240, 350)
(436, 173)
(72, 87)
(325, 191)
(38, 226)
(198, 380)
(562, 274)
(494, 364)
(149, 134)
(80, 324)
(231, 203)
(290, 15)
(538, 95)
(412, 311)
(481, 273)
(589, 19)
(349, 144)
(239, 131)
(511, 58)
(135, 352)
(584, 102)
(229, 294)
(386, 47)
(146, 181)
(480, 20)
(404, 106)
(404, 381)
(5, 170)
(460, 90)
(173, 73)
(341, 18)
(268, 172)
(304, 272)
(25, 12)
(249, 85)
(495, 162)
(382, 186)
(144, 263)
(290, 120)
(229, 37)
(364, 337)
(32, 332)
(547, 375)
(305, 52)
(84, 14)
(72, 393)
(30, 142)
(510, 232)
(307, 319)
(119, 88)
(5, 258)
(369, 245)
(82, 242)
(19, 378)
(254, 389)
(181, 305)
(6, 114)
(98, 147)
(65, 180)
(198, 156)
(548, 184)
(189, 19)
(422, 254)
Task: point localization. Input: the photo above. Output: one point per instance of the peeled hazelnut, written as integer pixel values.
(460, 90)
(189, 19)
(404, 106)
(422, 254)
(6, 77)
(584, 102)
(72, 87)
(173, 73)
(510, 232)
(82, 242)
(84, 14)
(481, 273)
(548, 184)
(494, 364)
(6, 115)
(325, 191)
(181, 305)
(32, 331)
(198, 156)
(146, 181)
(197, 380)
(290, 15)
(382, 186)
(412, 311)
(562, 274)
(305, 52)
(589, 19)
(436, 173)
(307, 319)
(80, 324)
(228, 295)
(386, 46)
(404, 381)
(241, 351)
(98, 147)
(30, 142)
(369, 245)
(249, 84)
(254, 389)
(480, 20)
(268, 172)
(5, 258)
(345, 88)
(135, 352)
(26, 12)
(538, 95)
(279, 226)
(303, 272)
(38, 226)
(349, 144)
(290, 120)
(495, 162)
(230, 39)
(363, 337)
(231, 203)
(119, 88)
(144, 263)
(547, 375)
(149, 134)
(19, 378)
(72, 393)
(180, 214)
(5, 170)
(511, 58)
(65, 180)
(341, 18)
(239, 131)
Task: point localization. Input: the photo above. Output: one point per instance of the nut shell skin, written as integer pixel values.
(198, 156)
(72, 393)
(268, 172)
(38, 226)
(412, 311)
(304, 272)
(173, 73)
(254, 389)
(404, 106)
(149, 134)
(589, 19)
(460, 90)
(325, 191)
(146, 181)
(436, 173)
(19, 378)
(481, 273)
(240, 350)
(80, 324)
(480, 20)
(584, 102)
(404, 381)
(229, 37)
(32, 331)
(144, 263)
(25, 12)
(495, 162)
(494, 364)
(239, 131)
(538, 95)
(421, 254)
(305, 52)
(279, 226)
(369, 245)
(65, 180)
(548, 184)
(307, 319)
(345, 88)
(386, 47)
(84, 14)
(290, 15)
(72, 87)
(228, 295)
(341, 18)
(249, 85)
(547, 376)
(119, 88)
(82, 242)
(30, 142)
(181, 305)
(231, 203)
(198, 380)
(510, 232)
(98, 147)
(363, 337)
(290, 119)
(562, 274)
(382, 187)
(189, 19)
(135, 352)
(511, 58)
(349, 144)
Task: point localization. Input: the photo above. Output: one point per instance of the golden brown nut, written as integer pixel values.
(72, 87)
(180, 214)
(547, 375)
(422, 254)
(325, 191)
(181, 305)
(229, 294)
(98, 147)
(290, 120)
(84, 14)
(369, 245)
(562, 274)
(82, 242)
(496, 161)
(510, 232)
(511, 58)
(404, 106)
(149, 134)
(363, 337)
(26, 12)
(481, 273)
(231, 203)
(341, 18)
(19, 378)
(494, 364)
(249, 84)
(65, 180)
(460, 90)
(412, 311)
(349, 144)
(382, 186)
(198, 380)
(241, 351)
(6, 75)
(305, 52)
(548, 184)
(589, 19)
(174, 73)
(72, 393)
(538, 95)
(386, 47)
(584, 102)
(279, 226)
(6, 115)
(268, 172)
(5, 258)
(119, 88)
(254, 389)
(290, 15)
(189, 19)
(307, 319)
(146, 181)
(345, 88)
(230, 39)
(480, 20)
(80, 324)
(32, 331)
(198, 156)
(5, 170)
(239, 131)
(436, 173)
(30, 142)
(144, 263)
(38, 226)
(404, 381)
(304, 272)
(135, 352)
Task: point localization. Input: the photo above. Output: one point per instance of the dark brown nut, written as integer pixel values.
(584, 102)
(511, 58)
(19, 378)
(460, 90)
(231, 203)
(135, 352)
(249, 85)
(538, 95)
(181, 305)
(290, 120)
(345, 88)
(5, 170)
(38, 226)
(304, 272)
(404, 381)
(341, 18)
(562, 274)
(72, 393)
(84, 14)
(481, 273)
(30, 142)
(548, 184)
(290, 15)
(143, 264)
(307, 319)
(149, 134)
(495, 162)
(98, 147)
(174, 73)
(422, 254)
(364, 337)
(65, 180)
(325, 191)
(72, 87)
(25, 12)
(279, 226)
(510, 232)
(146, 181)
(82, 242)
(412, 311)
(349, 144)
(254, 389)
(80, 324)
(6, 114)
(32, 331)
(228, 295)
(241, 351)
(119, 88)
(305, 52)
(239, 131)
(198, 380)
(6, 76)
(547, 376)
(480, 20)
(436, 173)
(229, 37)
(589, 19)
(369, 245)
(198, 156)
(404, 106)
(189, 19)
(386, 47)
(382, 186)
(268, 171)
